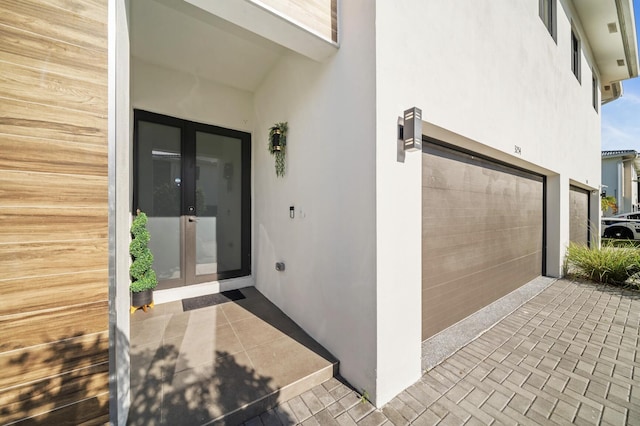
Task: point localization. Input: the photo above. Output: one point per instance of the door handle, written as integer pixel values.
(193, 219)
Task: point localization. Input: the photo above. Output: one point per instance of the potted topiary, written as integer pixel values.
(143, 277)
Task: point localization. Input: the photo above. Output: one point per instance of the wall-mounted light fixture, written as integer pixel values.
(412, 129)
(275, 140)
(278, 145)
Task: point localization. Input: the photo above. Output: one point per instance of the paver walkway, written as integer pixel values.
(569, 355)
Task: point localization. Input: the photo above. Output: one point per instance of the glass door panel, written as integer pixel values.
(158, 190)
(218, 204)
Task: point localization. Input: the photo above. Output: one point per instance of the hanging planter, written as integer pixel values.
(278, 145)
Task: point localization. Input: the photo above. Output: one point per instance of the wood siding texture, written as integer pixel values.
(579, 216)
(482, 228)
(320, 16)
(54, 338)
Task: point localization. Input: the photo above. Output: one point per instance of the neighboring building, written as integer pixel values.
(167, 104)
(620, 178)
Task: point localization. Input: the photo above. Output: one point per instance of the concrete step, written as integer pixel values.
(278, 396)
(220, 359)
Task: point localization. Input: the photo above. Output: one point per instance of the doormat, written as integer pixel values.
(211, 299)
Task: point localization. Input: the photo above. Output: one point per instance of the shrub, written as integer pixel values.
(143, 277)
(609, 264)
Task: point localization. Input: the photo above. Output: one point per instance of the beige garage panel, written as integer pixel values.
(579, 216)
(482, 234)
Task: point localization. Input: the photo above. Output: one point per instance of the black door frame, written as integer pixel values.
(188, 131)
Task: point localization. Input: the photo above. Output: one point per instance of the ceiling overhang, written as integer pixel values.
(272, 24)
(234, 43)
(609, 26)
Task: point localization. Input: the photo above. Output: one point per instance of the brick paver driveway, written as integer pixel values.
(569, 355)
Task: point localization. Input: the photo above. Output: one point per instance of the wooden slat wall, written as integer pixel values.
(54, 338)
(320, 16)
(482, 228)
(579, 216)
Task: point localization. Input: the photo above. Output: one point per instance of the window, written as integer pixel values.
(547, 10)
(575, 54)
(594, 91)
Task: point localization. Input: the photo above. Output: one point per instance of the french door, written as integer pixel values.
(193, 182)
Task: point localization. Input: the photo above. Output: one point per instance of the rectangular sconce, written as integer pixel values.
(412, 129)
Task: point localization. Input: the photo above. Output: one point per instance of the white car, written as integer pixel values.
(625, 226)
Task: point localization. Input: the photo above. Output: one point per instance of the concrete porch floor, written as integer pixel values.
(222, 363)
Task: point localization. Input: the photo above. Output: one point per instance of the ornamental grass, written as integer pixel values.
(613, 263)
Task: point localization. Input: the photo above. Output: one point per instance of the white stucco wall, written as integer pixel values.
(329, 248)
(398, 205)
(119, 213)
(490, 71)
(187, 96)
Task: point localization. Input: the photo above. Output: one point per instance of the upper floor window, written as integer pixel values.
(547, 10)
(575, 54)
(594, 91)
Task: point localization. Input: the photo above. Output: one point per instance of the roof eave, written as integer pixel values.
(628, 33)
(610, 28)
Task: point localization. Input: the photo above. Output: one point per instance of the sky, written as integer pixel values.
(621, 118)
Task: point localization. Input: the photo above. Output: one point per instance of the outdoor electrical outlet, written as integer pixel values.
(279, 266)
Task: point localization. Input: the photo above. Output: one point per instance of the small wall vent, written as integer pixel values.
(613, 28)
(620, 62)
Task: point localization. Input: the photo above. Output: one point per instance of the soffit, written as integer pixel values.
(275, 20)
(608, 47)
(179, 36)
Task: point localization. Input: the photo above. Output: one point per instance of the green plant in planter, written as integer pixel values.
(278, 145)
(143, 277)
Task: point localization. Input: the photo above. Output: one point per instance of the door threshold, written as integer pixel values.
(202, 289)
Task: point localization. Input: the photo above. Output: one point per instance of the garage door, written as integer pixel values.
(579, 216)
(482, 234)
